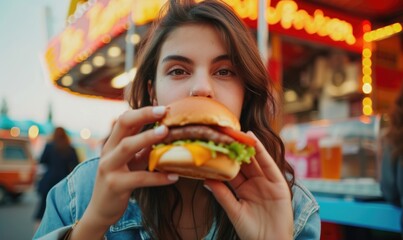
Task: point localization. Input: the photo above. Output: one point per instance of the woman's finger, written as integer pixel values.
(224, 197)
(125, 151)
(128, 181)
(131, 122)
(251, 169)
(238, 180)
(266, 162)
(140, 160)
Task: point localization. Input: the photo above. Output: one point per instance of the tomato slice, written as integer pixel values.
(238, 135)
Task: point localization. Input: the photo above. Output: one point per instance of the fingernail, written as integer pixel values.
(251, 133)
(207, 187)
(160, 130)
(159, 110)
(173, 177)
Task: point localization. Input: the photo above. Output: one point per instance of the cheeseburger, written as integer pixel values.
(204, 141)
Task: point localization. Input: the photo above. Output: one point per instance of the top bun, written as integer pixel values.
(199, 110)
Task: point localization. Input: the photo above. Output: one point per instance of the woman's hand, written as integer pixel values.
(122, 169)
(264, 209)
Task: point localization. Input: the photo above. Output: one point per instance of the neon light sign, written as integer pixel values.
(106, 19)
(102, 18)
(288, 15)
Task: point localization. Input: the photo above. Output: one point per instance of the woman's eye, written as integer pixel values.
(224, 72)
(177, 72)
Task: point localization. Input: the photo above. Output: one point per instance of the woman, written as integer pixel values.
(59, 158)
(205, 50)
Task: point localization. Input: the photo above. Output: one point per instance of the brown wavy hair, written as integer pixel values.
(395, 131)
(61, 139)
(257, 113)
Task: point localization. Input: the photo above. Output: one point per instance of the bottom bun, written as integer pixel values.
(180, 160)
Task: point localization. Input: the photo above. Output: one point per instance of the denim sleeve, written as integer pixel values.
(56, 234)
(306, 213)
(57, 214)
(311, 230)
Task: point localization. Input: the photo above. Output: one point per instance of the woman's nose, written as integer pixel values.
(202, 86)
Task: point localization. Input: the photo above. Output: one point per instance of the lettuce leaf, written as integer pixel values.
(235, 150)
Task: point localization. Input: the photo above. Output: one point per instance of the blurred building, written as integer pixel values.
(325, 55)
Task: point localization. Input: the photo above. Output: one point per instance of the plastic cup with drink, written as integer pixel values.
(331, 157)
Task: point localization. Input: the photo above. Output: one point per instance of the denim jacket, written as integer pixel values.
(67, 201)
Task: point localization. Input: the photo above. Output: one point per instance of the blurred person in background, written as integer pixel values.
(59, 158)
(392, 157)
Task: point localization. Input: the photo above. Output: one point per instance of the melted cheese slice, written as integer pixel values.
(155, 155)
(199, 154)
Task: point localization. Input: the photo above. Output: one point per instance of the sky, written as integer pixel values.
(25, 30)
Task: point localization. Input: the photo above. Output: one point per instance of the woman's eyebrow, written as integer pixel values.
(177, 58)
(180, 58)
(223, 57)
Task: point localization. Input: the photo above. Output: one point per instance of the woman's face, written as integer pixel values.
(194, 62)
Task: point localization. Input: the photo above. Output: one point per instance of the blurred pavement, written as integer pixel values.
(16, 218)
